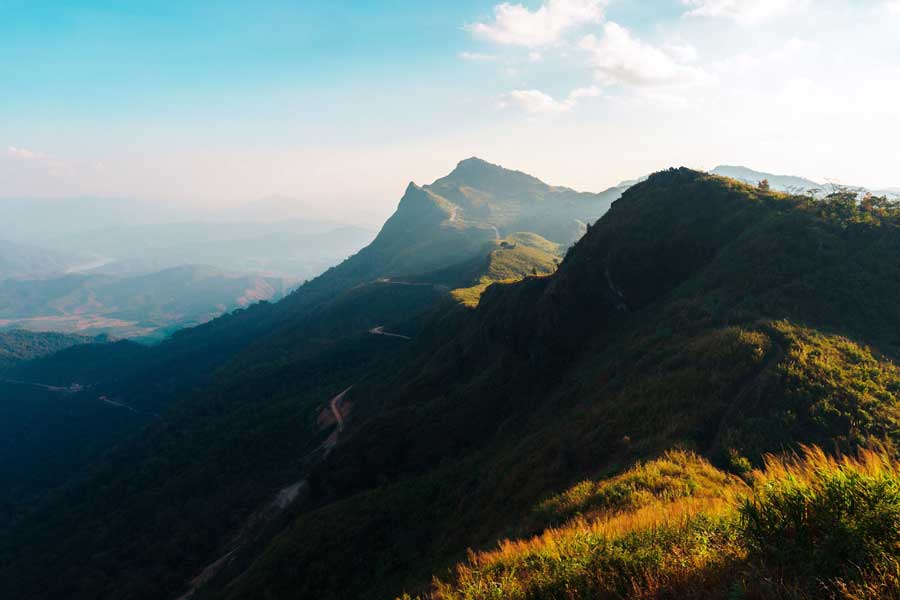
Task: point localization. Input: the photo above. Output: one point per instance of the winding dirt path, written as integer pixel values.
(380, 331)
(116, 403)
(335, 406)
(254, 525)
(49, 388)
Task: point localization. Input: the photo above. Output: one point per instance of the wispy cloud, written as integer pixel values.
(51, 165)
(516, 25)
(537, 102)
(477, 57)
(24, 154)
(620, 58)
(743, 11)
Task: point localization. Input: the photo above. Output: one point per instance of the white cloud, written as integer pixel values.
(620, 58)
(585, 92)
(791, 52)
(538, 102)
(477, 57)
(892, 7)
(534, 102)
(23, 154)
(664, 100)
(743, 11)
(515, 25)
(685, 53)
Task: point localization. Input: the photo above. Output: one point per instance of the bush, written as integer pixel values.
(824, 518)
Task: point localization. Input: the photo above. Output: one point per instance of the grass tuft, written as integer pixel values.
(808, 525)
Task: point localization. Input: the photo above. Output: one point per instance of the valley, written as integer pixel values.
(148, 307)
(144, 281)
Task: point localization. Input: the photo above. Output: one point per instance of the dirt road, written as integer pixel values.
(380, 331)
(335, 405)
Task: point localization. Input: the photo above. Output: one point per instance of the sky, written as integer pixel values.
(215, 104)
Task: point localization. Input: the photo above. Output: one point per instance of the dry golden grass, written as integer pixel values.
(644, 541)
(812, 462)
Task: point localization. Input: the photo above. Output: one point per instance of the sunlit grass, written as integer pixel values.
(807, 525)
(518, 256)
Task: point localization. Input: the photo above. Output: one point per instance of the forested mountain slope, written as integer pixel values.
(235, 402)
(18, 346)
(699, 324)
(698, 313)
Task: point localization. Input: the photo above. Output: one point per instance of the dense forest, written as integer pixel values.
(17, 346)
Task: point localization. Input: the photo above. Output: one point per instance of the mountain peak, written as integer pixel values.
(476, 163)
(478, 173)
(418, 207)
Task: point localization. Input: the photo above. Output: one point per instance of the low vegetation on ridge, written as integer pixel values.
(804, 526)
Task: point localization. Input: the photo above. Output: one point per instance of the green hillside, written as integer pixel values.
(243, 392)
(520, 255)
(601, 423)
(691, 316)
(458, 219)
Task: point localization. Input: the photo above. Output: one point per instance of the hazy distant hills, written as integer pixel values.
(296, 249)
(790, 183)
(279, 237)
(778, 182)
(146, 306)
(25, 261)
(94, 266)
(36, 220)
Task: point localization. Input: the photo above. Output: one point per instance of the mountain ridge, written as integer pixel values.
(690, 315)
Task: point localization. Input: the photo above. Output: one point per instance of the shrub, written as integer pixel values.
(823, 518)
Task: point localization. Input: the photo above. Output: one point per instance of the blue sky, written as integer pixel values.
(341, 103)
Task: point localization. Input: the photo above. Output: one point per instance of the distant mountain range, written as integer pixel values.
(148, 280)
(22, 261)
(778, 182)
(296, 249)
(787, 183)
(146, 306)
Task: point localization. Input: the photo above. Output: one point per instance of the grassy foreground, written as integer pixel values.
(804, 526)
